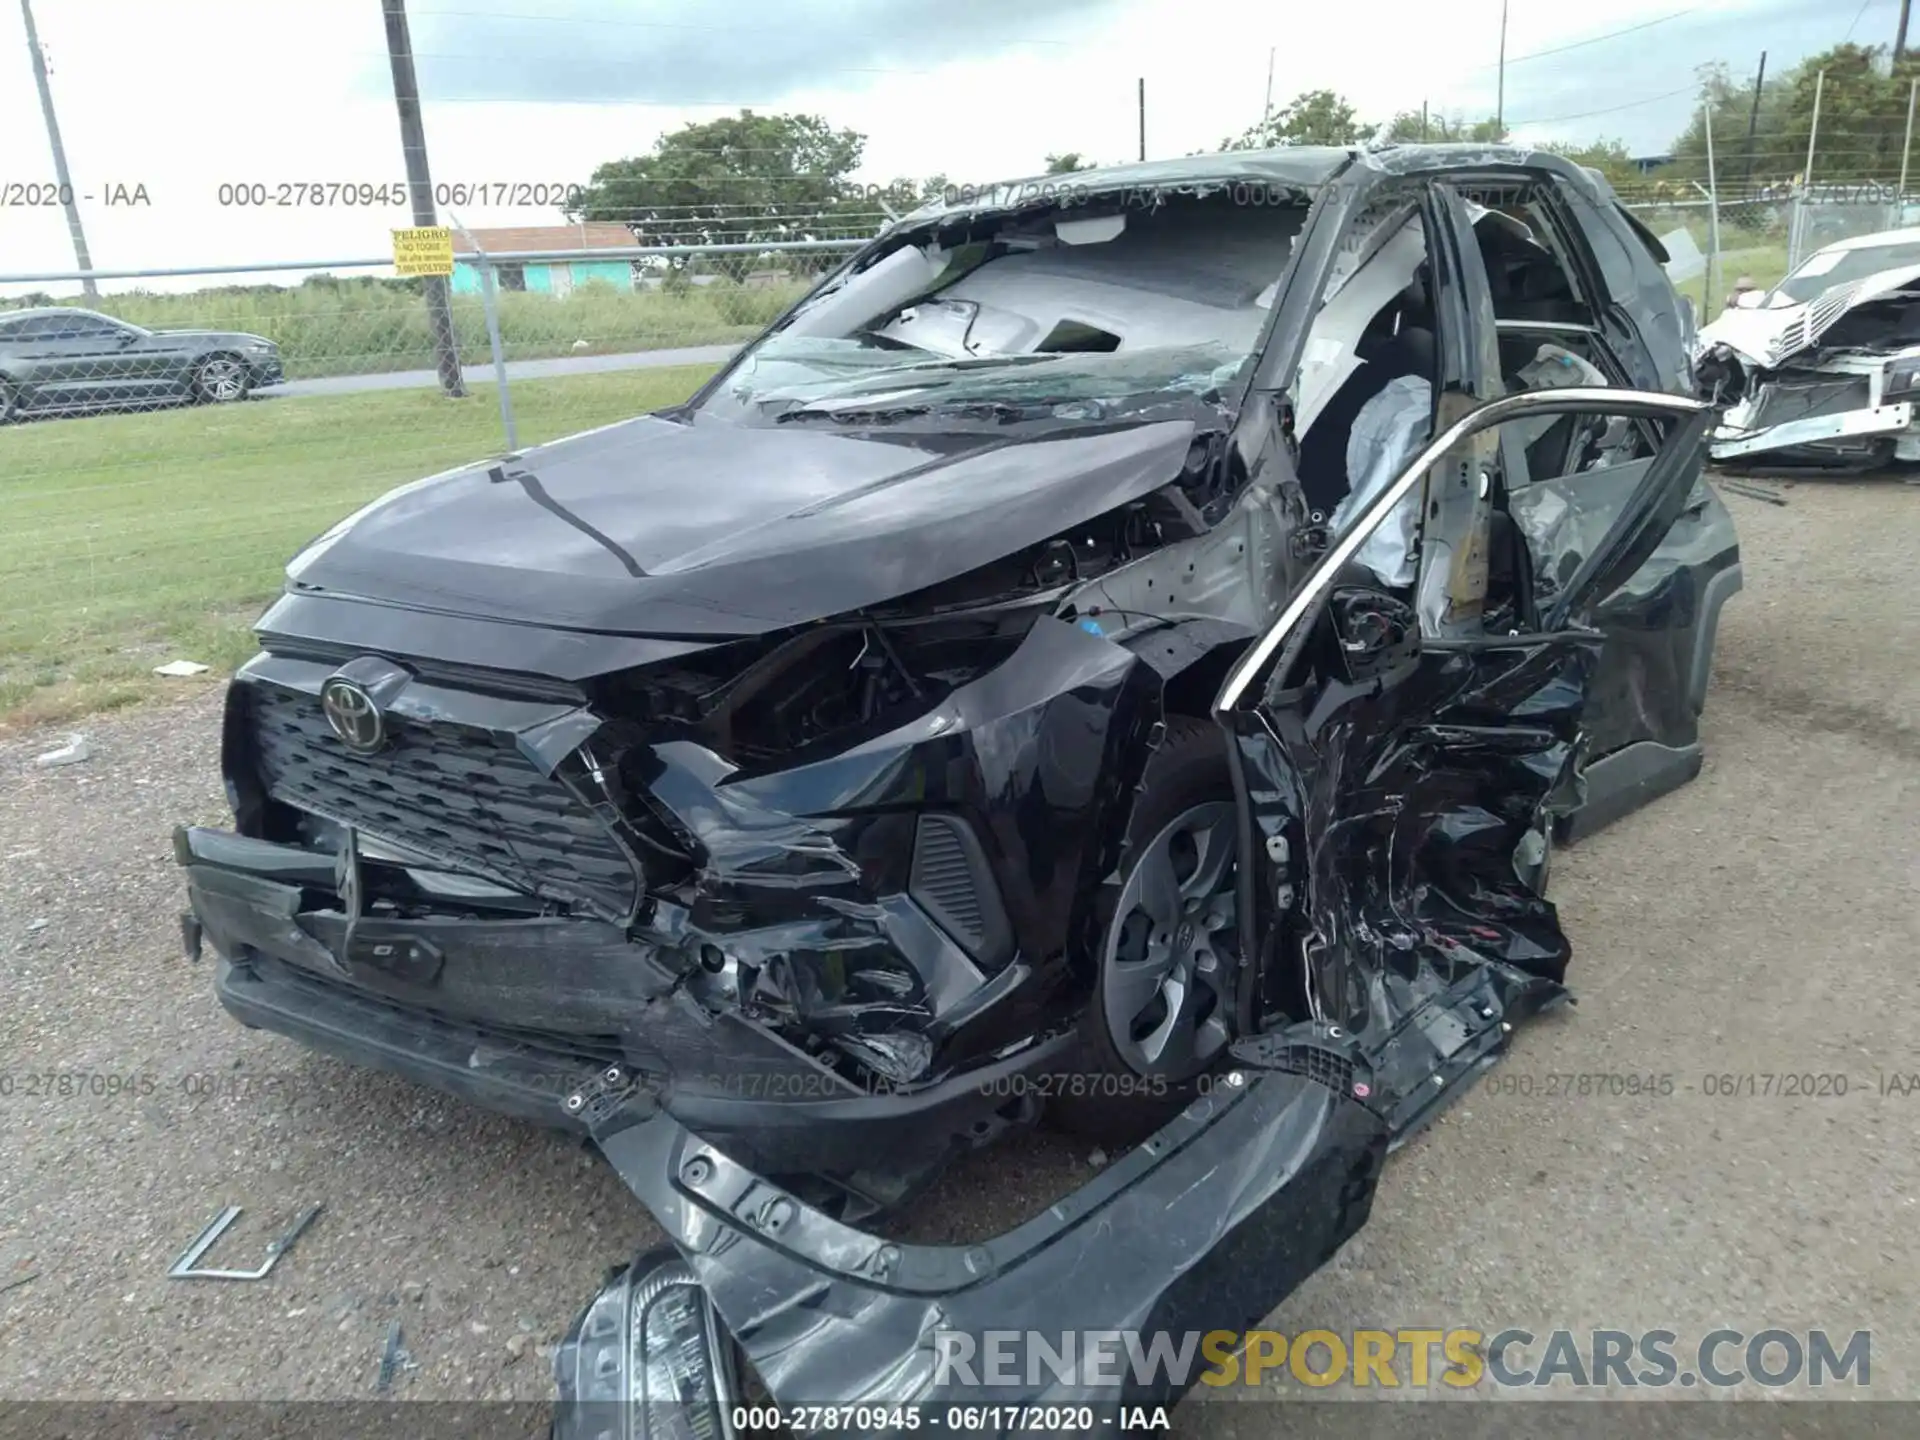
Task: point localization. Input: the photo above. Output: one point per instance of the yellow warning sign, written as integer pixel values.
(423, 250)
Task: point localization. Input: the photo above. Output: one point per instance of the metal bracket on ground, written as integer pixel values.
(186, 1267)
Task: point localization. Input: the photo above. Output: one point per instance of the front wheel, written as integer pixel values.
(221, 378)
(1161, 1013)
(9, 401)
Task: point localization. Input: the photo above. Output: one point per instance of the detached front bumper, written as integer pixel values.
(1206, 1226)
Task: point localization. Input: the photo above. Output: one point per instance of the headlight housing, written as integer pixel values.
(647, 1360)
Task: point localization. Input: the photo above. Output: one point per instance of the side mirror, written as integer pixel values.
(127, 337)
(1378, 633)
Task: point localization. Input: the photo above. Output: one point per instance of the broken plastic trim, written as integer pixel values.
(1207, 1225)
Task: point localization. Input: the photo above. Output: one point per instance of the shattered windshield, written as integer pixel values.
(790, 379)
(1061, 313)
(1823, 271)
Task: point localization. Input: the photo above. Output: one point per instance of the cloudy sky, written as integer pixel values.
(182, 96)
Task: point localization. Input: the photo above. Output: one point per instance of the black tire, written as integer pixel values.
(1120, 1091)
(9, 401)
(221, 380)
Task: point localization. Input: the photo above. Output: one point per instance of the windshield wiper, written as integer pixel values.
(957, 409)
(1004, 412)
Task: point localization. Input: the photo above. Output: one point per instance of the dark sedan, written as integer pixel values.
(67, 359)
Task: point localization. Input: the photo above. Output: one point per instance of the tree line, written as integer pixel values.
(755, 177)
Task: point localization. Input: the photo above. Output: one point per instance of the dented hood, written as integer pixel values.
(1771, 335)
(700, 527)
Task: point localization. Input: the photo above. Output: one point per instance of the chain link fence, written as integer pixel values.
(227, 425)
(1765, 232)
(1759, 197)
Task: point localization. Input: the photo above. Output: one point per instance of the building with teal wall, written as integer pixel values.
(550, 277)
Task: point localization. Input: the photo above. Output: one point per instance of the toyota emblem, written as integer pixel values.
(353, 715)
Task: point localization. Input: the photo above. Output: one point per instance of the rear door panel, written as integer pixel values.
(1659, 621)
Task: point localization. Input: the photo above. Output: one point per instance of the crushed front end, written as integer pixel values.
(1832, 383)
(502, 893)
(1453, 765)
(1830, 410)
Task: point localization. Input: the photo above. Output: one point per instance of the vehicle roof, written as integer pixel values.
(6, 315)
(1304, 167)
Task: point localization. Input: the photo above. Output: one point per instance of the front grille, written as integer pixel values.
(951, 881)
(1820, 315)
(465, 797)
(1784, 401)
(943, 883)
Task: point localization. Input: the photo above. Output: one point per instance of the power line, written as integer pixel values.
(599, 100)
(1593, 40)
(1609, 110)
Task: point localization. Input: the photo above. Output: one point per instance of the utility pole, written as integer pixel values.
(1753, 116)
(1143, 117)
(1900, 35)
(1906, 145)
(1500, 99)
(413, 141)
(1266, 112)
(65, 181)
(1713, 213)
(1423, 122)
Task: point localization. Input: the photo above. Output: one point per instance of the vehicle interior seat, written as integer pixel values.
(1525, 278)
(1550, 455)
(1387, 352)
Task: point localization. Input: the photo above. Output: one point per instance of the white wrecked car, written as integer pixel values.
(1823, 370)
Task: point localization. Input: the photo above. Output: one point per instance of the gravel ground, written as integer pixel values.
(1760, 921)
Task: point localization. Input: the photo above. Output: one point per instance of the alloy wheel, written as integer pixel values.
(222, 380)
(1169, 959)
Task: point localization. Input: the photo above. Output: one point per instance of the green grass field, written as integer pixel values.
(131, 540)
(363, 328)
(1765, 264)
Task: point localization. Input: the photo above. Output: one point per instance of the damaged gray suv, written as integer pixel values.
(1123, 646)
